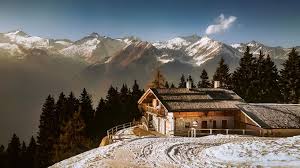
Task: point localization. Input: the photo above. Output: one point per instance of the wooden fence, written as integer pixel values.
(201, 132)
(111, 132)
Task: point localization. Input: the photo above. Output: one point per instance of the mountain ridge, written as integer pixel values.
(97, 49)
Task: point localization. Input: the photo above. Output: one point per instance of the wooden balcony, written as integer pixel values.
(146, 108)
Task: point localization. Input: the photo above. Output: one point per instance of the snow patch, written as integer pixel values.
(84, 50)
(281, 152)
(237, 45)
(165, 59)
(187, 152)
(175, 44)
(65, 43)
(8, 46)
(27, 41)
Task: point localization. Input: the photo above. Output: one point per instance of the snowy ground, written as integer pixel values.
(209, 151)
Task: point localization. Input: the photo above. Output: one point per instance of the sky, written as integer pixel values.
(275, 23)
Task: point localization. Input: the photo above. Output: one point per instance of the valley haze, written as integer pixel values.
(32, 67)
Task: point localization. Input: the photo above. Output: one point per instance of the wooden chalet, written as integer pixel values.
(176, 111)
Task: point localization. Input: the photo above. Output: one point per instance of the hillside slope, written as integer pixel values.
(209, 151)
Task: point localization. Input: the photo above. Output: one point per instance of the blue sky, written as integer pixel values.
(271, 22)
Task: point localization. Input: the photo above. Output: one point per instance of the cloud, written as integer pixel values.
(221, 25)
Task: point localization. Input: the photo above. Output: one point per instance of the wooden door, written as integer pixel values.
(204, 124)
(214, 124)
(224, 124)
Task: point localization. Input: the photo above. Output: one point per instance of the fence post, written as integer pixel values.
(210, 131)
(226, 131)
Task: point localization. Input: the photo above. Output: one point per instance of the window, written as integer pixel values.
(187, 124)
(154, 102)
(204, 124)
(214, 124)
(224, 124)
(180, 124)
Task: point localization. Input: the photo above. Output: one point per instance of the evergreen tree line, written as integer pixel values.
(256, 79)
(71, 125)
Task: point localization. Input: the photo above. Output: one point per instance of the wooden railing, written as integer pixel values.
(151, 109)
(200, 132)
(111, 132)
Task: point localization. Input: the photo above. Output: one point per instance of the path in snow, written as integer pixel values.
(154, 152)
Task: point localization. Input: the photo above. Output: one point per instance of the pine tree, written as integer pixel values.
(245, 77)
(167, 85)
(23, 154)
(71, 106)
(266, 81)
(48, 132)
(172, 85)
(2, 149)
(101, 116)
(3, 157)
(113, 106)
(158, 80)
(61, 108)
(203, 83)
(125, 112)
(31, 154)
(182, 83)
(290, 78)
(222, 74)
(86, 110)
(14, 152)
(73, 139)
(135, 96)
(261, 78)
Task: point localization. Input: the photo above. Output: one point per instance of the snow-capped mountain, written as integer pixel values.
(173, 44)
(135, 50)
(21, 38)
(256, 47)
(94, 48)
(194, 50)
(177, 42)
(97, 49)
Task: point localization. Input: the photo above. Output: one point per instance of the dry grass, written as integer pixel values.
(141, 132)
(104, 141)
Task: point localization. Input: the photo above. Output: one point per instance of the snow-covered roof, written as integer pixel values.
(201, 99)
(273, 115)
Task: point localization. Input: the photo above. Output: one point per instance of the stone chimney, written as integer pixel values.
(216, 84)
(189, 83)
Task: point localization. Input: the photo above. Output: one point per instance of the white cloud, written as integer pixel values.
(221, 25)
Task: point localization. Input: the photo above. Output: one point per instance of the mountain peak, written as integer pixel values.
(192, 38)
(94, 34)
(17, 33)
